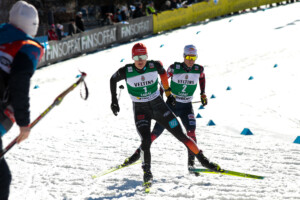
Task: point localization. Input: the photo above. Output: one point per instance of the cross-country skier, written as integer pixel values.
(184, 78)
(142, 83)
(19, 56)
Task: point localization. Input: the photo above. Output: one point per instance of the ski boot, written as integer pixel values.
(191, 163)
(148, 178)
(132, 159)
(209, 165)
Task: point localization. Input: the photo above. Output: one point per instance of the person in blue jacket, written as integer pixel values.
(19, 57)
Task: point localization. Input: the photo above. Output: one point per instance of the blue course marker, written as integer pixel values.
(246, 131)
(213, 96)
(162, 45)
(228, 88)
(122, 60)
(211, 123)
(198, 116)
(198, 32)
(250, 78)
(297, 141)
(201, 107)
(36, 87)
(275, 65)
(78, 76)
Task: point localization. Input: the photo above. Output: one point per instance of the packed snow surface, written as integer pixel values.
(78, 139)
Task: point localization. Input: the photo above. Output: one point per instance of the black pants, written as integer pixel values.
(158, 110)
(5, 177)
(185, 112)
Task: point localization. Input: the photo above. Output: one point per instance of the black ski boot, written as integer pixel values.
(133, 158)
(205, 163)
(148, 178)
(191, 163)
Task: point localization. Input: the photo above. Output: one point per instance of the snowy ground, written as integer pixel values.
(80, 138)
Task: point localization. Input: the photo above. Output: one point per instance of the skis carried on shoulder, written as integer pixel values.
(114, 169)
(226, 172)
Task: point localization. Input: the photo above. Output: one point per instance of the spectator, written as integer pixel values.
(166, 6)
(181, 4)
(107, 19)
(173, 4)
(150, 10)
(191, 2)
(124, 13)
(20, 55)
(79, 21)
(73, 29)
(52, 34)
(138, 12)
(60, 31)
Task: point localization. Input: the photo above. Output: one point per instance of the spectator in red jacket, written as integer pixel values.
(52, 33)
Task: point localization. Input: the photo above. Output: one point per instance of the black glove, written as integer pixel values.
(171, 100)
(115, 107)
(203, 99)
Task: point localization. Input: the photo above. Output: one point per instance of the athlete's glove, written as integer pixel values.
(203, 99)
(115, 107)
(171, 100)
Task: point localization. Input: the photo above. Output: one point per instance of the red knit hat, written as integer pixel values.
(139, 49)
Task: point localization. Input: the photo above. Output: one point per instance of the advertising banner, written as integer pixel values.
(197, 12)
(55, 51)
(135, 28)
(201, 11)
(98, 38)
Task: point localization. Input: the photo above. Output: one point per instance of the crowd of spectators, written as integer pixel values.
(109, 15)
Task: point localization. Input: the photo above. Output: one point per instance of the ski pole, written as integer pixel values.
(121, 88)
(56, 102)
(196, 102)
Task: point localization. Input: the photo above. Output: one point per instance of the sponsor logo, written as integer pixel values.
(145, 83)
(191, 116)
(183, 98)
(173, 123)
(130, 69)
(140, 117)
(167, 113)
(143, 78)
(196, 68)
(186, 76)
(177, 66)
(188, 82)
(151, 65)
(192, 123)
(4, 61)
